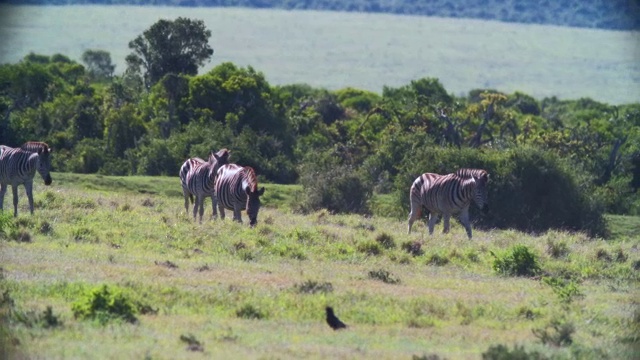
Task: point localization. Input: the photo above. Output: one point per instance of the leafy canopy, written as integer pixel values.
(179, 46)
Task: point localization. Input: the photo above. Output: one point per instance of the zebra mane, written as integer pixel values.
(250, 176)
(469, 173)
(35, 146)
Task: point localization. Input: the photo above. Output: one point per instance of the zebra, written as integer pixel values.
(448, 194)
(237, 190)
(18, 166)
(198, 178)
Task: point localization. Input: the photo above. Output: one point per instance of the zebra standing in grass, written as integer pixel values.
(237, 190)
(448, 194)
(198, 177)
(19, 165)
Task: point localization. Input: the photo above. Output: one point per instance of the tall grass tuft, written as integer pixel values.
(516, 261)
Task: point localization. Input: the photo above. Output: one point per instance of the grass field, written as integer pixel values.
(232, 291)
(366, 51)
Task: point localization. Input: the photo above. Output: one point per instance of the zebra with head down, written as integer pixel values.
(198, 178)
(18, 166)
(237, 190)
(448, 194)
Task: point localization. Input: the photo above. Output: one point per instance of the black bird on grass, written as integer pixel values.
(333, 320)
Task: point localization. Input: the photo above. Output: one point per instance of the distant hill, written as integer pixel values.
(601, 14)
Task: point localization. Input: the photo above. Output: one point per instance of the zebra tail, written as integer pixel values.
(191, 198)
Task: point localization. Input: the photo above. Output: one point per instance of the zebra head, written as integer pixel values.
(481, 196)
(220, 158)
(43, 152)
(253, 203)
(253, 195)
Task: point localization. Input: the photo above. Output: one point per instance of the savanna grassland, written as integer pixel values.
(334, 50)
(224, 290)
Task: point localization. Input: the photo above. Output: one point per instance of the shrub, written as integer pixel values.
(248, 311)
(557, 250)
(384, 276)
(437, 260)
(517, 261)
(369, 248)
(386, 241)
(556, 333)
(412, 247)
(45, 320)
(502, 352)
(330, 185)
(312, 287)
(6, 222)
(566, 290)
(104, 304)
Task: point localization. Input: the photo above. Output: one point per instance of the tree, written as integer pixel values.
(98, 64)
(179, 47)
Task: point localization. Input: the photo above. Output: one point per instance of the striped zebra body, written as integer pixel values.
(18, 166)
(448, 194)
(237, 190)
(198, 178)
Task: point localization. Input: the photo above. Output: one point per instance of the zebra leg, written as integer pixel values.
(446, 219)
(415, 214)
(29, 188)
(433, 218)
(464, 219)
(221, 208)
(14, 189)
(201, 207)
(214, 204)
(185, 193)
(237, 214)
(195, 208)
(3, 190)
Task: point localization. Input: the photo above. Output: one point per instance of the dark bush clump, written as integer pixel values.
(384, 276)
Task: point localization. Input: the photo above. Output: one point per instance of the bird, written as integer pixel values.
(333, 320)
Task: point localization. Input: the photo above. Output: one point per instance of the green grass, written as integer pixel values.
(244, 292)
(366, 51)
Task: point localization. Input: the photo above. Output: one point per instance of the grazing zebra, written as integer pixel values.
(198, 177)
(448, 194)
(19, 165)
(237, 190)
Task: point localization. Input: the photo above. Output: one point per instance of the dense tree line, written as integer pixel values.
(553, 163)
(603, 14)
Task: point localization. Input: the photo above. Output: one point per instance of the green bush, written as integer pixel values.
(502, 352)
(6, 223)
(517, 261)
(566, 290)
(333, 186)
(104, 304)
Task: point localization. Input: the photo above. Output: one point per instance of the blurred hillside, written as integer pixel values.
(602, 14)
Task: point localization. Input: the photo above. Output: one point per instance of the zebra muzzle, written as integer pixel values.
(48, 180)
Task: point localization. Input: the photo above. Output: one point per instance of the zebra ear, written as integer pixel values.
(261, 191)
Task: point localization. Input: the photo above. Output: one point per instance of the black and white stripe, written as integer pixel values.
(237, 190)
(448, 194)
(18, 166)
(198, 178)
